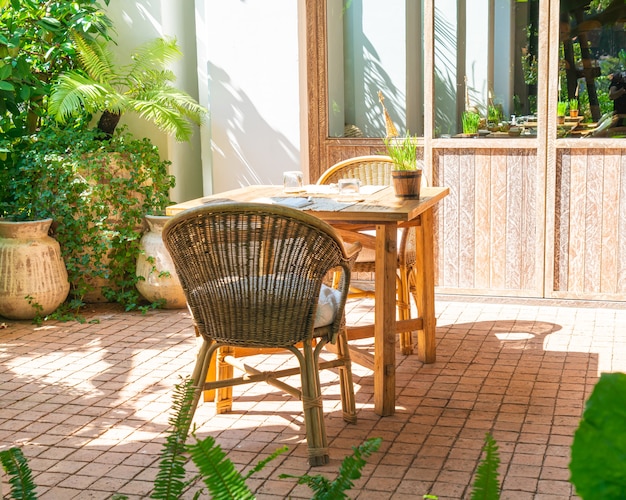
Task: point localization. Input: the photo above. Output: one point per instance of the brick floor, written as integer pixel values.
(89, 403)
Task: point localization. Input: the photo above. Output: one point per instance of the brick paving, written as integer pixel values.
(89, 403)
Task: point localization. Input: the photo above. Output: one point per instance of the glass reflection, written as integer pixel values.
(374, 46)
(591, 70)
(486, 75)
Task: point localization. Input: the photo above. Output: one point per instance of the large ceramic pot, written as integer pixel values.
(33, 277)
(155, 265)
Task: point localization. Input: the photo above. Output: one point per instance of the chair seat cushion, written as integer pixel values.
(327, 306)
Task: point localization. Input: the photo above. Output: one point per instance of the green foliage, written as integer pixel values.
(20, 476)
(573, 104)
(34, 48)
(598, 463)
(169, 482)
(402, 152)
(143, 87)
(486, 485)
(97, 192)
(350, 470)
(561, 108)
(471, 122)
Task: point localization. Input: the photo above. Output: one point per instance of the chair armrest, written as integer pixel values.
(352, 249)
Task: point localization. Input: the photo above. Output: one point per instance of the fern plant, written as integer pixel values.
(144, 87)
(20, 476)
(487, 485)
(324, 488)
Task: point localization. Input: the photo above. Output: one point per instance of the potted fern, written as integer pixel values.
(406, 175)
(573, 108)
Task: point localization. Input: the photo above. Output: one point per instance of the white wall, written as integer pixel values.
(248, 59)
(136, 22)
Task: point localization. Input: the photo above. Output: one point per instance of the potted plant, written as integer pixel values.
(144, 87)
(406, 175)
(573, 108)
(471, 123)
(561, 108)
(34, 279)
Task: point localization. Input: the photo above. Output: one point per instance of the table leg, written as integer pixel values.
(385, 320)
(425, 284)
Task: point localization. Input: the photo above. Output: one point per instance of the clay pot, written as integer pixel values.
(33, 276)
(155, 265)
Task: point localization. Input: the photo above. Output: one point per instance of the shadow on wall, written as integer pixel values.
(246, 149)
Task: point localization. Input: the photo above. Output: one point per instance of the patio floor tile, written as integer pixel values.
(89, 403)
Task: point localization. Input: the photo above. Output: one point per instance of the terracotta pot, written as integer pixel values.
(33, 277)
(407, 183)
(155, 265)
(573, 113)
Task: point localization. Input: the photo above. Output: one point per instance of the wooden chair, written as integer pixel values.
(253, 277)
(376, 170)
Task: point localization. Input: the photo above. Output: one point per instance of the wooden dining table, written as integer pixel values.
(381, 209)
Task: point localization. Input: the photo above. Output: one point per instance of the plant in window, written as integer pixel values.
(471, 122)
(573, 107)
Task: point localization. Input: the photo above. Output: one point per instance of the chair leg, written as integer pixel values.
(312, 405)
(348, 404)
(203, 360)
(225, 371)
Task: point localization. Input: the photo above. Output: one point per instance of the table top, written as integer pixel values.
(372, 205)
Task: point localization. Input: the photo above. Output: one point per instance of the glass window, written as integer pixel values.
(592, 65)
(486, 54)
(374, 49)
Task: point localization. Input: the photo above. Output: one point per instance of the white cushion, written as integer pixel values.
(327, 306)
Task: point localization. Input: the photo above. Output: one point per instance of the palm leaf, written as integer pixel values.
(20, 476)
(95, 58)
(75, 92)
(153, 55)
(486, 485)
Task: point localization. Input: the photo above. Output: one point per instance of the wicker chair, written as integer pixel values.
(376, 170)
(253, 277)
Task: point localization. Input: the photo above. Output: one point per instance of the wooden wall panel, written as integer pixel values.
(590, 232)
(610, 224)
(490, 235)
(498, 219)
(482, 221)
(467, 221)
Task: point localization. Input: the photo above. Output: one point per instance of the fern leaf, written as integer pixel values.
(350, 470)
(218, 472)
(169, 481)
(264, 462)
(486, 485)
(20, 476)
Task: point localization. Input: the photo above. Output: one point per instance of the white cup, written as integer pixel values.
(293, 181)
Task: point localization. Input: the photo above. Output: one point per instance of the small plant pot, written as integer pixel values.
(560, 120)
(573, 113)
(406, 183)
